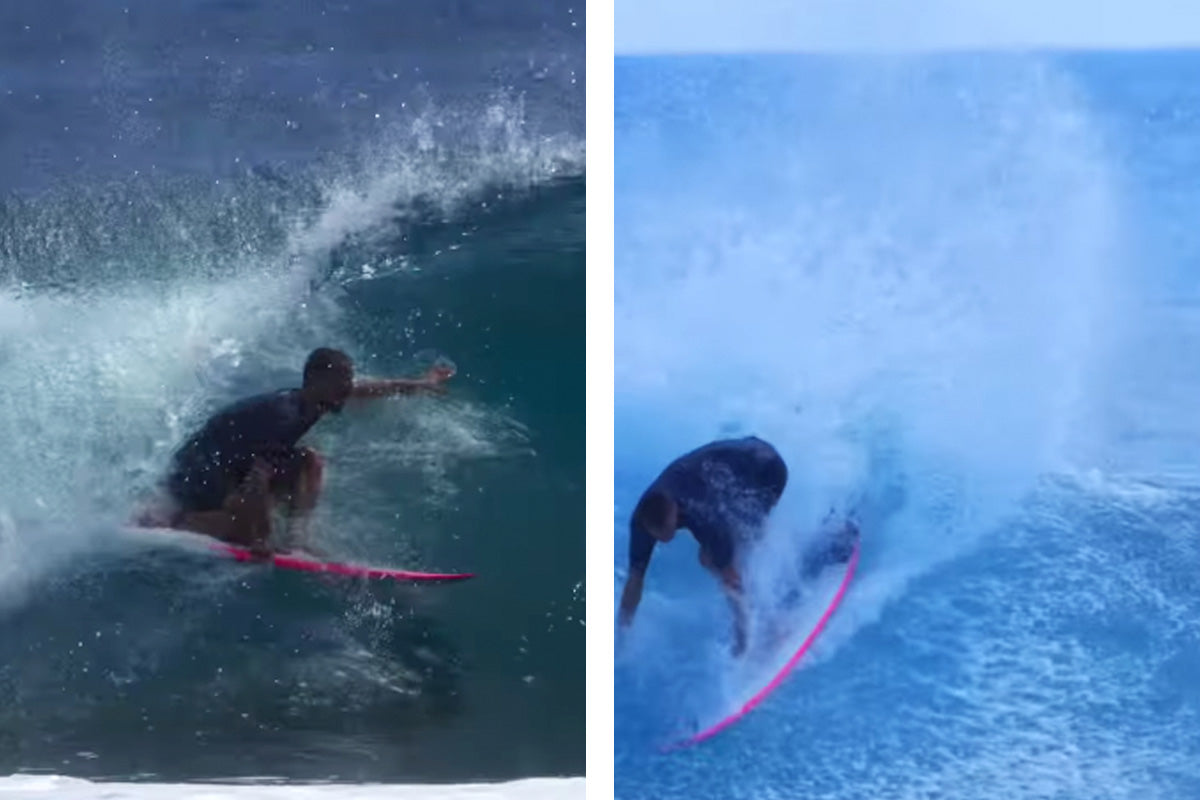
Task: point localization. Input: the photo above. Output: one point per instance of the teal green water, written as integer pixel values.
(124, 660)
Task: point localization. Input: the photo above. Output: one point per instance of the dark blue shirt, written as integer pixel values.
(229, 441)
(723, 489)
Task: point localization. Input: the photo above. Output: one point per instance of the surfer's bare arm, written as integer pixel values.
(632, 595)
(731, 580)
(430, 382)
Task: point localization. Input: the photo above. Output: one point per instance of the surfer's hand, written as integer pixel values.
(435, 376)
(440, 372)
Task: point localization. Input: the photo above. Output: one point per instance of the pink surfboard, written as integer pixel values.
(299, 561)
(781, 675)
(294, 561)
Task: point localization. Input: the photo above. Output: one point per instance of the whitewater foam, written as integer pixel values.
(99, 380)
(917, 321)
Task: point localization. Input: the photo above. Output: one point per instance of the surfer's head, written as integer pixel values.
(328, 378)
(657, 514)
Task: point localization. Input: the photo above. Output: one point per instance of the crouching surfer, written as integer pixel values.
(722, 493)
(227, 478)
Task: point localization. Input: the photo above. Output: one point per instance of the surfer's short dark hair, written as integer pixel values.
(325, 360)
(653, 510)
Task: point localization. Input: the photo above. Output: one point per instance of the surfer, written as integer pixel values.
(722, 493)
(227, 478)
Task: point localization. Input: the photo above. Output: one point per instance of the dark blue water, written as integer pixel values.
(194, 195)
(963, 288)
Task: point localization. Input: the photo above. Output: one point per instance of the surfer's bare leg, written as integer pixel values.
(245, 517)
(836, 549)
(250, 508)
(731, 582)
(308, 483)
(300, 489)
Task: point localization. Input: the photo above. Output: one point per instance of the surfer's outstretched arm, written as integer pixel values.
(631, 596)
(431, 382)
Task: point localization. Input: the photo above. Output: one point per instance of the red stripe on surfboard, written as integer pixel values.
(779, 678)
(333, 568)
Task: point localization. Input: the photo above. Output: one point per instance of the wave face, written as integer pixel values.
(199, 196)
(953, 292)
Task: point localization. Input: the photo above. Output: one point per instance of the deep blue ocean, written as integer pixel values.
(965, 291)
(193, 195)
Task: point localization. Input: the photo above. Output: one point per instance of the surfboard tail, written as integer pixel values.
(782, 674)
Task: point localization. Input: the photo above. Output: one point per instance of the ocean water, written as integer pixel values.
(959, 291)
(194, 195)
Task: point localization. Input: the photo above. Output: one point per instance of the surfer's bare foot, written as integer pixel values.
(261, 550)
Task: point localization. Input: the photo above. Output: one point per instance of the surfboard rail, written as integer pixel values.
(287, 560)
(306, 564)
(782, 674)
